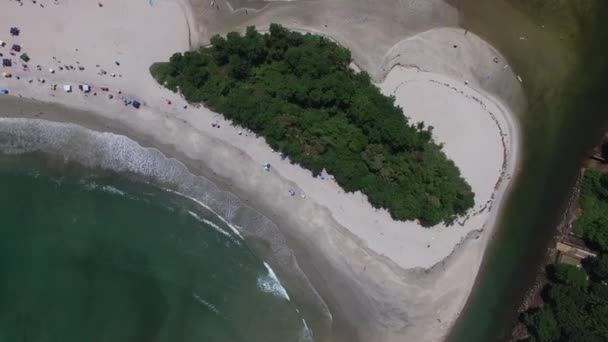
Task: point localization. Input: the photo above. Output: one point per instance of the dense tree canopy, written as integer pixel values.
(599, 267)
(569, 275)
(542, 325)
(593, 224)
(575, 309)
(299, 92)
(576, 303)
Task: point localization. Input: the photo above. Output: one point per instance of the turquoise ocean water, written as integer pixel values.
(88, 255)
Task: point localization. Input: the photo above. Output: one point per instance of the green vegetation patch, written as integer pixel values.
(576, 301)
(298, 91)
(575, 309)
(593, 224)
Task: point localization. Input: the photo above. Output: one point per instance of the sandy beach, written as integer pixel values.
(382, 280)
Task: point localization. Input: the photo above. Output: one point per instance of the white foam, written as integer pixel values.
(107, 151)
(306, 333)
(112, 190)
(270, 283)
(215, 226)
(88, 185)
(233, 227)
(205, 303)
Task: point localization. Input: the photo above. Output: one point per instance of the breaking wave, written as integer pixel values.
(206, 303)
(214, 226)
(270, 283)
(112, 190)
(117, 153)
(235, 229)
(306, 333)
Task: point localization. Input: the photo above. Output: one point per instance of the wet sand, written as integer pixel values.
(382, 280)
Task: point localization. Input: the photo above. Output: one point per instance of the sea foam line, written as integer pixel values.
(112, 190)
(117, 152)
(306, 333)
(205, 303)
(271, 284)
(212, 224)
(234, 228)
(90, 185)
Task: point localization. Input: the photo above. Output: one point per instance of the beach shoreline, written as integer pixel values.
(382, 280)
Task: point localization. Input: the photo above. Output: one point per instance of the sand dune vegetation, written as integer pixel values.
(298, 91)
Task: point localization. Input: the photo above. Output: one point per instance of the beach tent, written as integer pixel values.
(136, 104)
(67, 88)
(16, 47)
(3, 91)
(6, 62)
(1, 43)
(85, 87)
(14, 31)
(25, 57)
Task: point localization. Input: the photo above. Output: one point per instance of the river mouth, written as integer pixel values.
(560, 52)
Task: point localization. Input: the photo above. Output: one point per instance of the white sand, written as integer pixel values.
(377, 254)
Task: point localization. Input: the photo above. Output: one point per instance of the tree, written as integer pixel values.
(239, 68)
(599, 267)
(579, 303)
(570, 275)
(220, 50)
(298, 91)
(542, 325)
(593, 224)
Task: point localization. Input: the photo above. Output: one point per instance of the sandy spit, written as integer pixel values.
(383, 280)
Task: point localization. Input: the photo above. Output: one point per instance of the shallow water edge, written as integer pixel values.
(119, 154)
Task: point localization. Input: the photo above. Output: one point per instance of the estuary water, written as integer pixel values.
(560, 49)
(92, 254)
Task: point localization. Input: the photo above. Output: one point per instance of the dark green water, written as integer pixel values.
(86, 256)
(565, 67)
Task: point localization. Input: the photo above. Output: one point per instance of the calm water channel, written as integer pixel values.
(564, 63)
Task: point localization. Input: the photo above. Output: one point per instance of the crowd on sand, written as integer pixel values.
(16, 65)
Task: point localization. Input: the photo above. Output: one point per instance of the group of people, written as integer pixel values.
(36, 2)
(85, 88)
